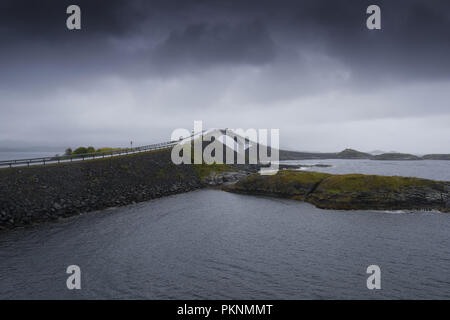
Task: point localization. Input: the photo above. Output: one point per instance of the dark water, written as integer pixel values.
(212, 244)
(16, 155)
(428, 169)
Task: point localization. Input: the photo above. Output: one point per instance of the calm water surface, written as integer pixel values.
(212, 244)
(428, 169)
(16, 155)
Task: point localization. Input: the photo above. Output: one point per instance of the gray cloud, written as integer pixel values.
(204, 45)
(139, 69)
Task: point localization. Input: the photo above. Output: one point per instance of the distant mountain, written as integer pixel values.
(353, 154)
(376, 152)
(345, 154)
(436, 157)
(396, 156)
(297, 155)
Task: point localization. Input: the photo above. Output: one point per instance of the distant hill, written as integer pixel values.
(436, 157)
(345, 154)
(396, 156)
(297, 155)
(353, 154)
(376, 152)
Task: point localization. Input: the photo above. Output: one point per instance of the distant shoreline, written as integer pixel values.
(350, 154)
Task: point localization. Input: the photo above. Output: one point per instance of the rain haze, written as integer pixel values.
(137, 70)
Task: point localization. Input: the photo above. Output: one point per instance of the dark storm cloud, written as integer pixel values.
(207, 44)
(45, 20)
(306, 67)
(413, 40)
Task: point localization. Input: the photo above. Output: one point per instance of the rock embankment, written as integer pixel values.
(40, 193)
(217, 175)
(350, 191)
(217, 179)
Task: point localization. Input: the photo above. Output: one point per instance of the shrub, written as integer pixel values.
(80, 150)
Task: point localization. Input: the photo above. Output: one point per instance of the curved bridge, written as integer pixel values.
(236, 140)
(81, 157)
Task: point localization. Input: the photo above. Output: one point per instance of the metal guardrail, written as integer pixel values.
(86, 156)
(93, 155)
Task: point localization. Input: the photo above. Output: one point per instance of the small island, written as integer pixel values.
(349, 191)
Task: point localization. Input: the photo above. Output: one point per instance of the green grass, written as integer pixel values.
(369, 183)
(204, 170)
(287, 177)
(107, 149)
(347, 188)
(294, 184)
(299, 176)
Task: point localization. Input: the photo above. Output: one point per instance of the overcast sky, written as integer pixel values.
(137, 70)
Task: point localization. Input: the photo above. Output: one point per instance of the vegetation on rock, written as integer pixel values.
(205, 170)
(290, 184)
(358, 191)
(350, 191)
(87, 150)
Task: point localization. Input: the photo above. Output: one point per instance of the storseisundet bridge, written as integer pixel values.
(123, 151)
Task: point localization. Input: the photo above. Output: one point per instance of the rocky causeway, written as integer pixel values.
(30, 195)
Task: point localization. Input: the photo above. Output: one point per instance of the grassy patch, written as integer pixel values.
(286, 177)
(348, 191)
(293, 184)
(204, 170)
(346, 183)
(299, 176)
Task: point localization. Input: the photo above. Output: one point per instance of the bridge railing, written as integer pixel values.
(85, 156)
